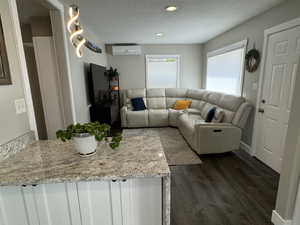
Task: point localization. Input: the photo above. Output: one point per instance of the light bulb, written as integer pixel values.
(78, 48)
(73, 35)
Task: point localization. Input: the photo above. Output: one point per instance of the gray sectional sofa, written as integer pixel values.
(204, 138)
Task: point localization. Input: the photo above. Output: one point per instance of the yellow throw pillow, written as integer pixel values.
(182, 104)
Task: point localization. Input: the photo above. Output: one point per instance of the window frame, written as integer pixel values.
(229, 48)
(178, 75)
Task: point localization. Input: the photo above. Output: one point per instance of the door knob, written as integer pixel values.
(263, 101)
(261, 110)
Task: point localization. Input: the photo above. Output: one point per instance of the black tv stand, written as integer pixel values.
(107, 113)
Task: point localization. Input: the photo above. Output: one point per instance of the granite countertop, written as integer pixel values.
(53, 161)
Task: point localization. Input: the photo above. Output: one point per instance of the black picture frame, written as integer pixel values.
(5, 78)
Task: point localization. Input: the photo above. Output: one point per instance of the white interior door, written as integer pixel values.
(282, 56)
(296, 216)
(162, 71)
(49, 84)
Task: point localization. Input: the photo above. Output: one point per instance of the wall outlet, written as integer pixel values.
(20, 106)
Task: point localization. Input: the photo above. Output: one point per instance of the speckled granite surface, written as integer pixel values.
(16, 145)
(176, 150)
(55, 161)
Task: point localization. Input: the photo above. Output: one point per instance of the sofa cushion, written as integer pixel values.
(199, 94)
(137, 118)
(176, 92)
(158, 117)
(182, 104)
(219, 116)
(173, 116)
(193, 111)
(170, 101)
(155, 92)
(186, 125)
(156, 103)
(205, 110)
(229, 102)
(156, 98)
(134, 93)
(210, 115)
(138, 104)
(241, 116)
(197, 104)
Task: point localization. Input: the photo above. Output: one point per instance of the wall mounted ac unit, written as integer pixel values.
(126, 50)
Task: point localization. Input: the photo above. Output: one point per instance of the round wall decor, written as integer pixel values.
(252, 60)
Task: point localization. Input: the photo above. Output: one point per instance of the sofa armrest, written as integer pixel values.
(205, 124)
(217, 137)
(123, 112)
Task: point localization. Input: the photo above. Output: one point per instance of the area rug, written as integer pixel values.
(177, 151)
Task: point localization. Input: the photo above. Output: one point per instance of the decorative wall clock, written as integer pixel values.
(252, 60)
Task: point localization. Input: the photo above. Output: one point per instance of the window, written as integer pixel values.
(162, 71)
(225, 69)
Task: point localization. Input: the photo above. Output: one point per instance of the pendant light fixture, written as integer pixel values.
(76, 33)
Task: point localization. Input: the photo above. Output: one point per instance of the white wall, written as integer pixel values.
(133, 68)
(79, 72)
(11, 125)
(79, 66)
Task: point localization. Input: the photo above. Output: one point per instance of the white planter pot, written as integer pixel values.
(85, 144)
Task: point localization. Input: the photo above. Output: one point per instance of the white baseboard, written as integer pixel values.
(278, 220)
(246, 147)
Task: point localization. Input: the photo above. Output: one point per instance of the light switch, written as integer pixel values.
(20, 106)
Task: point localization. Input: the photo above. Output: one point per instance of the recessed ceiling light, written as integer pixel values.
(159, 35)
(171, 8)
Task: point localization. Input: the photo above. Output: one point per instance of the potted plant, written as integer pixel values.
(111, 74)
(86, 136)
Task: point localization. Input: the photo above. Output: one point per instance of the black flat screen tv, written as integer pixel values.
(98, 84)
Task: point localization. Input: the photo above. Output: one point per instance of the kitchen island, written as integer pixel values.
(49, 183)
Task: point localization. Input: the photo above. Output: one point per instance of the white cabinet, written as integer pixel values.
(121, 202)
(13, 210)
(37, 205)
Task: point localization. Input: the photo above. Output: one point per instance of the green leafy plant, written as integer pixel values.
(100, 131)
(111, 73)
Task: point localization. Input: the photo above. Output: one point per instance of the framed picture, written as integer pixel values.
(5, 78)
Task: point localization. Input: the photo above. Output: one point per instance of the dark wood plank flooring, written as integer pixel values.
(226, 189)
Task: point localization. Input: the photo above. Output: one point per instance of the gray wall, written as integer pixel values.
(11, 125)
(253, 30)
(133, 68)
(41, 26)
(79, 68)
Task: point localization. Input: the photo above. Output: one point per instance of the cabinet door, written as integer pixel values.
(55, 204)
(142, 201)
(95, 203)
(17, 206)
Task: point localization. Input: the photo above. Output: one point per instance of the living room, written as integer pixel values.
(149, 112)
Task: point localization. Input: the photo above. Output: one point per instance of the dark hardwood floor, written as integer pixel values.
(227, 189)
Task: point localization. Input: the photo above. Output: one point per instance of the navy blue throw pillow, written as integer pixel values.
(138, 104)
(210, 115)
